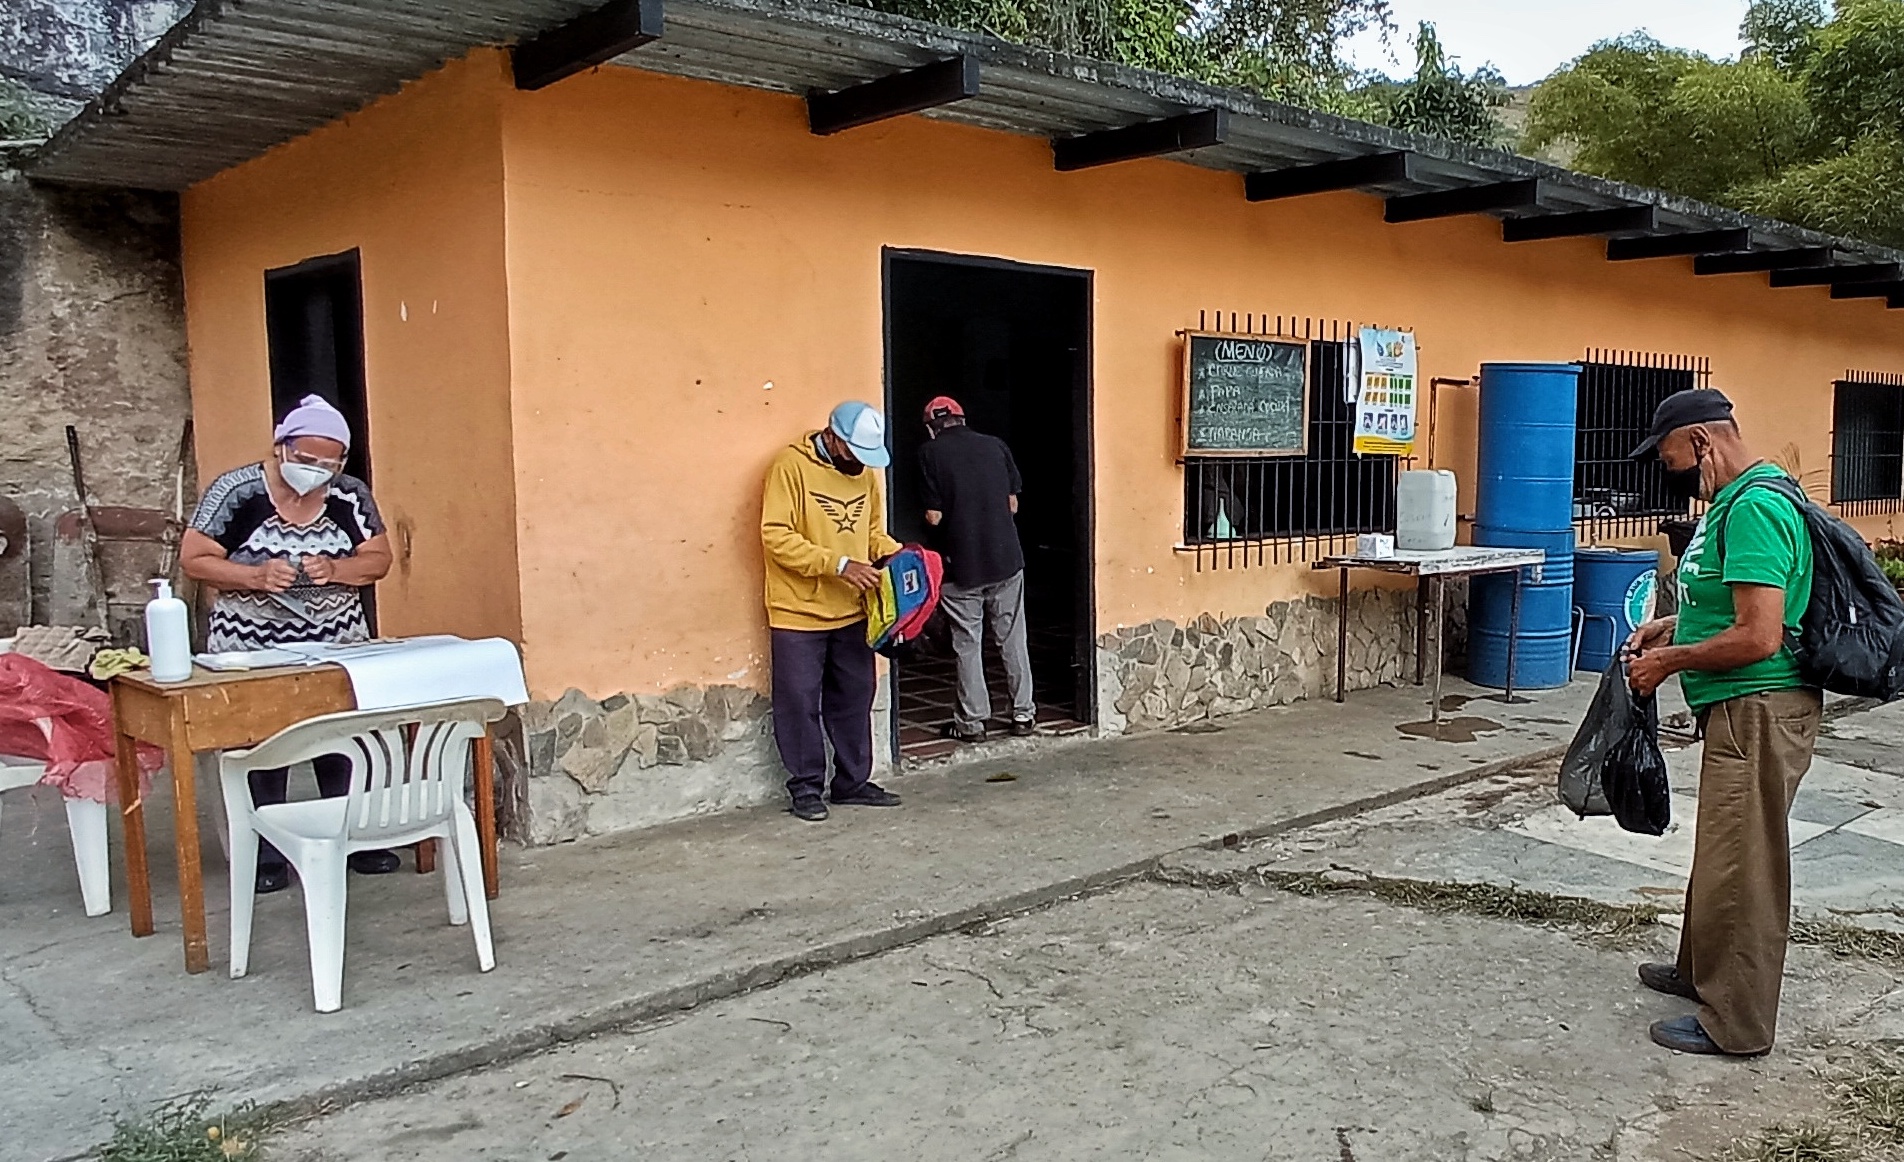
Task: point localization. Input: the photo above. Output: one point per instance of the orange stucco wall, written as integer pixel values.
(414, 183)
(692, 280)
(675, 247)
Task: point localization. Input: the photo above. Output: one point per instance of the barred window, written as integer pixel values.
(1867, 443)
(1258, 510)
(1619, 391)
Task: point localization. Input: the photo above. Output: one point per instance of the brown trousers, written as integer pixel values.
(1739, 900)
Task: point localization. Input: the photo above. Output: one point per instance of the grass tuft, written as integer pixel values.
(181, 1130)
(1803, 1143)
(1615, 923)
(1865, 1123)
(1849, 940)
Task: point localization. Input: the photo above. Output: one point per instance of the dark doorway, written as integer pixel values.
(314, 324)
(1011, 343)
(314, 329)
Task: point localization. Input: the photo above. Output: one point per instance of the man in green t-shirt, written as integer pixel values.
(1744, 582)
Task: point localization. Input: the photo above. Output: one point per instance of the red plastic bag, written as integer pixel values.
(65, 724)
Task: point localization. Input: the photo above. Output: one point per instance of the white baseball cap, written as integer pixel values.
(864, 430)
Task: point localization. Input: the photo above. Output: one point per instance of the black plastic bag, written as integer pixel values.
(1614, 766)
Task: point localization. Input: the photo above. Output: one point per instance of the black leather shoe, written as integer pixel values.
(1665, 978)
(374, 863)
(1687, 1035)
(869, 795)
(272, 879)
(811, 810)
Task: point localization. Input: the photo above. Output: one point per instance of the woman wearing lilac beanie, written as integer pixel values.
(288, 544)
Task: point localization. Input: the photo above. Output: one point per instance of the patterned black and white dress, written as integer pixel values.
(236, 511)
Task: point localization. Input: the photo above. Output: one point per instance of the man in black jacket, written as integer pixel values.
(971, 495)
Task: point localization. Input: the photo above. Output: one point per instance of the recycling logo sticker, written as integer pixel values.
(1641, 597)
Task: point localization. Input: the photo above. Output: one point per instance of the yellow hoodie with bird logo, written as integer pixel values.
(811, 516)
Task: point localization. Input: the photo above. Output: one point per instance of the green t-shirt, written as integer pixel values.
(1765, 543)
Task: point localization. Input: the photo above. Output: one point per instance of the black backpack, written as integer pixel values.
(1851, 638)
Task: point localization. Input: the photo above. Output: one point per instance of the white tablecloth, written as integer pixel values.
(414, 671)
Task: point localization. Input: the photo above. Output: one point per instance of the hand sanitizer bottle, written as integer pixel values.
(168, 634)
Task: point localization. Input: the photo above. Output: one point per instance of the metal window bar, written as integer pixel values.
(1867, 443)
(1616, 497)
(1285, 509)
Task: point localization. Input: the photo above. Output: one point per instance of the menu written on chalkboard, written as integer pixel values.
(1245, 395)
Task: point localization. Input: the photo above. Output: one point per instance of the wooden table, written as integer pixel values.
(228, 711)
(1431, 568)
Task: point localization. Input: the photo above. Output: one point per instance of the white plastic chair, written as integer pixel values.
(85, 823)
(408, 769)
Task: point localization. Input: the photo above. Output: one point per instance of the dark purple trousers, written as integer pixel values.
(823, 692)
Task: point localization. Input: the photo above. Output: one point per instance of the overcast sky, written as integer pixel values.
(1528, 39)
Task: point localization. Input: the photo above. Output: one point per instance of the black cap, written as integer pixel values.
(1682, 409)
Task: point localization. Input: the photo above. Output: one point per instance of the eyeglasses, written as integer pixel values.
(293, 456)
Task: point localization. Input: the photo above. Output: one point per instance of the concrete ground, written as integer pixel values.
(1207, 1015)
(600, 933)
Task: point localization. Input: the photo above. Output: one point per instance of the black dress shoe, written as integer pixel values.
(812, 810)
(374, 863)
(1665, 978)
(868, 795)
(272, 879)
(1687, 1035)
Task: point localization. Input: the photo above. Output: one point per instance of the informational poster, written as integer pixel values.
(1387, 394)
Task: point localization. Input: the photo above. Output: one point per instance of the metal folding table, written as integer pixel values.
(1430, 570)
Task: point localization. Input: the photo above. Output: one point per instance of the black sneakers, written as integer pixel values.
(1665, 978)
(374, 863)
(812, 810)
(869, 795)
(957, 733)
(272, 878)
(1024, 727)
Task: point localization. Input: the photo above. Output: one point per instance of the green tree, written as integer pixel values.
(1854, 73)
(1289, 50)
(1638, 111)
(1441, 100)
(1780, 32)
(1859, 193)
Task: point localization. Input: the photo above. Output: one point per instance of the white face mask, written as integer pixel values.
(305, 479)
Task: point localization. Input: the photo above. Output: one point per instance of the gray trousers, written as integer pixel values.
(1003, 604)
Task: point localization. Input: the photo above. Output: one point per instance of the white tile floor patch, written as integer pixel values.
(1671, 852)
(1887, 824)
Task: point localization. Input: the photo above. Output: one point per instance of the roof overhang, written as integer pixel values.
(234, 79)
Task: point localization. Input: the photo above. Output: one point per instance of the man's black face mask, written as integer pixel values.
(1684, 482)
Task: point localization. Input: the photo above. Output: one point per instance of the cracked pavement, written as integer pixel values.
(1225, 1019)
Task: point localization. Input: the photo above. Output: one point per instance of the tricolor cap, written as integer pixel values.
(864, 430)
(942, 407)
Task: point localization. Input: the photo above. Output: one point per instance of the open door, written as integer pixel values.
(1012, 344)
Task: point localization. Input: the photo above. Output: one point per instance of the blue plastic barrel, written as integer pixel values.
(1544, 656)
(1526, 452)
(1614, 589)
(1524, 499)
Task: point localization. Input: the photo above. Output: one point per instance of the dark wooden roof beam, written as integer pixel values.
(1618, 220)
(1834, 275)
(926, 87)
(591, 39)
(1866, 290)
(1350, 173)
(1747, 261)
(1145, 139)
(1515, 195)
(1677, 245)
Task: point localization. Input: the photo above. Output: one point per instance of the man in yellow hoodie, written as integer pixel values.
(823, 525)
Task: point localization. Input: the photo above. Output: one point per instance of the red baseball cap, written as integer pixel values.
(943, 406)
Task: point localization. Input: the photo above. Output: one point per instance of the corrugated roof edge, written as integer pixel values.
(52, 162)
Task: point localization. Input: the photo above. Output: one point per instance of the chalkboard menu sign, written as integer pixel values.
(1245, 395)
